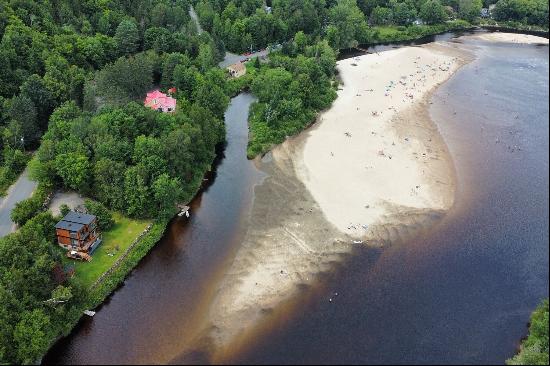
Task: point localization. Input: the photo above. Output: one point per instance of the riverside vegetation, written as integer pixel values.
(534, 349)
(71, 88)
(72, 83)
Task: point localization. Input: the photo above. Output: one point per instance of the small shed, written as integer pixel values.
(236, 70)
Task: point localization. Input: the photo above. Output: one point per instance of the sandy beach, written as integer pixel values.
(377, 142)
(373, 171)
(511, 38)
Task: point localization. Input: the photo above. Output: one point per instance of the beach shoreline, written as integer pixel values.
(379, 142)
(372, 171)
(294, 238)
(518, 38)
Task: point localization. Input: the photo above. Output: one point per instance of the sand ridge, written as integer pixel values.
(375, 151)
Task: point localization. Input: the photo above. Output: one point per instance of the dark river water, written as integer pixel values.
(153, 315)
(461, 293)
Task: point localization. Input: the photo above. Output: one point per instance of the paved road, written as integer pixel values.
(230, 58)
(195, 18)
(20, 190)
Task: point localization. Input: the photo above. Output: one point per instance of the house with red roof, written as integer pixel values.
(160, 102)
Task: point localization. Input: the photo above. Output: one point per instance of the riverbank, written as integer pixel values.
(393, 34)
(372, 171)
(378, 141)
(518, 38)
(173, 278)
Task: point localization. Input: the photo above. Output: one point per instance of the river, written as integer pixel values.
(461, 293)
(153, 315)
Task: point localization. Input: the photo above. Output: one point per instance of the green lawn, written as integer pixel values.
(115, 242)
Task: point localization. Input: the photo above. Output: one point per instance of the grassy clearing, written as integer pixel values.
(115, 242)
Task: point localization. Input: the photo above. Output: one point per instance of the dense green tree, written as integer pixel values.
(35, 89)
(367, 6)
(170, 62)
(349, 23)
(205, 60)
(273, 84)
(534, 349)
(524, 11)
(158, 39)
(22, 110)
(64, 209)
(211, 97)
(167, 191)
(25, 210)
(26, 263)
(432, 12)
(126, 78)
(127, 37)
(403, 13)
(138, 195)
(74, 169)
(31, 337)
(469, 9)
(64, 81)
(381, 16)
(109, 182)
(104, 216)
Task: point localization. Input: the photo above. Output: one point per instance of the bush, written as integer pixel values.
(29, 208)
(104, 216)
(534, 350)
(523, 11)
(14, 162)
(64, 209)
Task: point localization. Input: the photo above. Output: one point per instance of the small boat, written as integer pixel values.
(358, 242)
(184, 211)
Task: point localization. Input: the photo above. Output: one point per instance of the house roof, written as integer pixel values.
(74, 221)
(157, 99)
(238, 66)
(67, 225)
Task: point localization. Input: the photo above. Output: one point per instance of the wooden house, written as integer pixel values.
(78, 233)
(236, 70)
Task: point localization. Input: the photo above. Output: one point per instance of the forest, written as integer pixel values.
(71, 90)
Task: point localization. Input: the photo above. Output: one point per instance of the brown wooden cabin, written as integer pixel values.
(78, 232)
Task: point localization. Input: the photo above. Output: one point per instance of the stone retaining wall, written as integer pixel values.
(122, 257)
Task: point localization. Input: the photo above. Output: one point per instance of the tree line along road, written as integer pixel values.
(20, 190)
